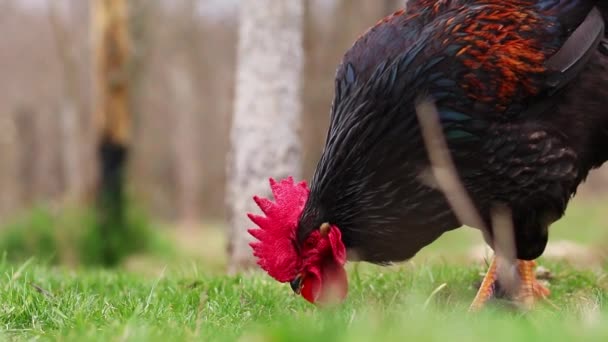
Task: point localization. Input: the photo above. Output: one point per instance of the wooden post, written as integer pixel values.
(113, 118)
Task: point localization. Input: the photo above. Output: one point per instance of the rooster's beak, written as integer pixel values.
(296, 284)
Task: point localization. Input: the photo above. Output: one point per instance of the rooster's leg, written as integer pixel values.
(486, 290)
(528, 289)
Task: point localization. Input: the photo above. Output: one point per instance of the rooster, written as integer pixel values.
(520, 94)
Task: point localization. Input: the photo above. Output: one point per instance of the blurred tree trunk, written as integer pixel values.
(186, 144)
(11, 151)
(71, 107)
(47, 170)
(25, 119)
(145, 17)
(112, 109)
(266, 121)
(9, 169)
(190, 66)
(37, 175)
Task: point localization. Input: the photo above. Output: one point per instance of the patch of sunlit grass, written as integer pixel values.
(422, 302)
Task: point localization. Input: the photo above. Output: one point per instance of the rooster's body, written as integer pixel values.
(520, 89)
(520, 133)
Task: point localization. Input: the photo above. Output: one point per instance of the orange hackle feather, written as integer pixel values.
(500, 45)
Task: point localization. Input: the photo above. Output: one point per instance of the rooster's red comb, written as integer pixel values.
(276, 234)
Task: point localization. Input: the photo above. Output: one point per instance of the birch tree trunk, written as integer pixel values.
(266, 121)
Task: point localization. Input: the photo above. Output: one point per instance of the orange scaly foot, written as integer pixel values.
(528, 289)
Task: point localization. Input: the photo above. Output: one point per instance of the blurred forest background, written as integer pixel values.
(182, 79)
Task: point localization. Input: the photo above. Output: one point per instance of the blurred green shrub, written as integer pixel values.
(72, 237)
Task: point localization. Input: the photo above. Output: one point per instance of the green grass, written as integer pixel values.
(189, 298)
(186, 304)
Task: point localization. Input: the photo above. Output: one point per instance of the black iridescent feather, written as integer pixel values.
(521, 89)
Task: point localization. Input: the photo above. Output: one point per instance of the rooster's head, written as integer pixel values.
(314, 268)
